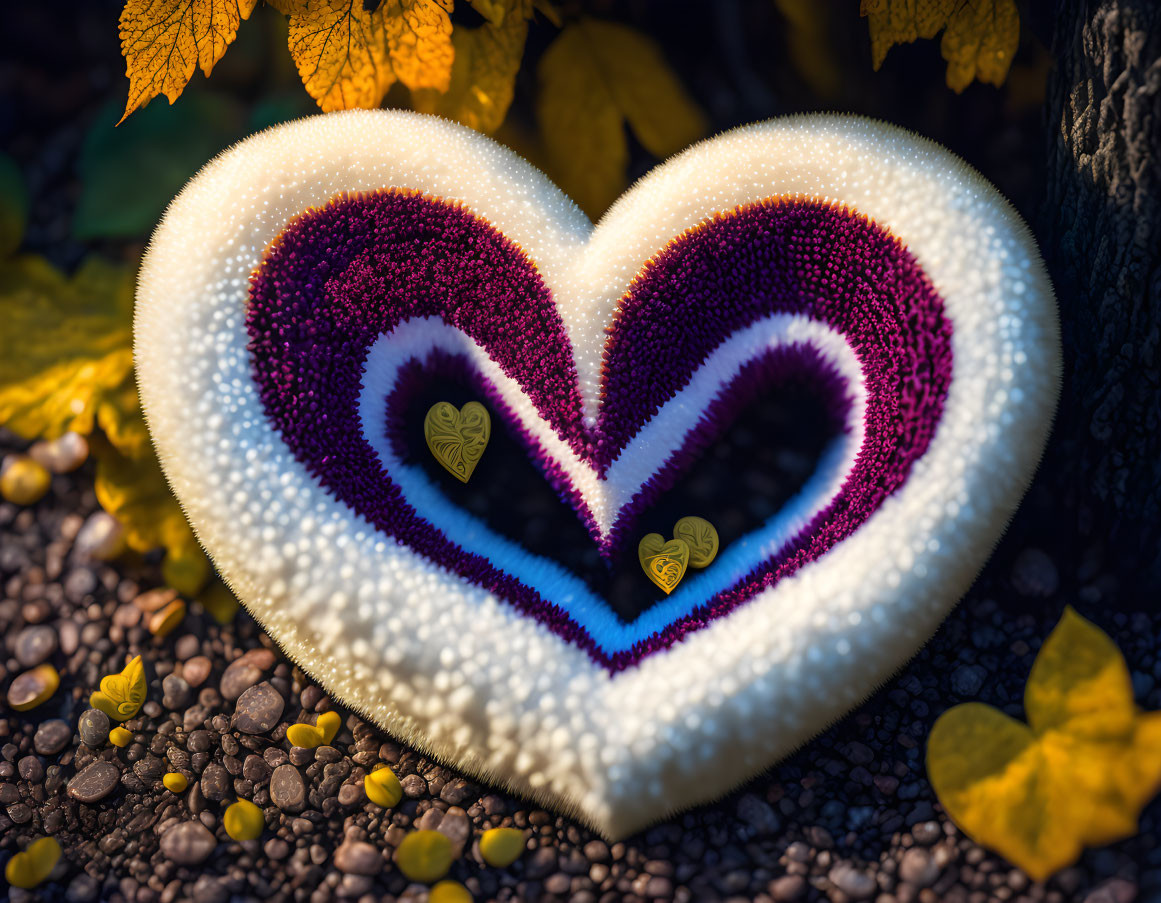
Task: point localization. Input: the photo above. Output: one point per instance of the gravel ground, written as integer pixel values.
(850, 817)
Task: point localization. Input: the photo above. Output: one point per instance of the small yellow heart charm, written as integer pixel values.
(458, 438)
(31, 867)
(121, 695)
(312, 736)
(664, 562)
(701, 537)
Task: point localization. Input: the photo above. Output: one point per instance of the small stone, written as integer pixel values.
(239, 676)
(457, 828)
(61, 455)
(259, 709)
(93, 728)
(422, 856)
(188, 843)
(287, 789)
(1113, 890)
(541, 863)
(1034, 574)
(413, 786)
(52, 736)
(196, 670)
(94, 782)
(383, 787)
(215, 782)
(918, 867)
(175, 782)
(351, 795)
(967, 680)
(758, 814)
(500, 847)
(276, 849)
(23, 481)
(243, 821)
(83, 888)
(32, 688)
(788, 888)
(175, 692)
(927, 832)
(187, 647)
(30, 769)
(34, 644)
(358, 858)
(163, 622)
(101, 538)
(856, 884)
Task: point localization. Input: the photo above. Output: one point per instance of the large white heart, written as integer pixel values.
(443, 659)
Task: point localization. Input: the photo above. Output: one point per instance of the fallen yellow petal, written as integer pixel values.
(244, 821)
(424, 856)
(449, 892)
(383, 787)
(175, 782)
(500, 847)
(33, 865)
(118, 736)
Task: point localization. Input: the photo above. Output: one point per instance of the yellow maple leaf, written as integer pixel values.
(1078, 774)
(484, 74)
(66, 345)
(594, 78)
(164, 41)
(349, 55)
(979, 42)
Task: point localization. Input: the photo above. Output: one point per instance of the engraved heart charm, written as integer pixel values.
(664, 562)
(458, 438)
(701, 537)
(317, 287)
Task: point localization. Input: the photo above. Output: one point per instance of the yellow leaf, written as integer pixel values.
(164, 41)
(135, 492)
(979, 42)
(484, 75)
(1078, 776)
(349, 56)
(594, 78)
(1080, 683)
(65, 349)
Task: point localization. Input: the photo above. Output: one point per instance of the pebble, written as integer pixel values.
(456, 827)
(163, 622)
(188, 843)
(30, 769)
(258, 709)
(918, 867)
(1034, 574)
(175, 692)
(424, 856)
(34, 644)
(101, 538)
(358, 858)
(787, 888)
(243, 821)
(287, 789)
(23, 481)
(855, 883)
(215, 783)
(967, 680)
(94, 782)
(93, 728)
(33, 687)
(500, 847)
(758, 814)
(61, 455)
(196, 670)
(52, 736)
(927, 832)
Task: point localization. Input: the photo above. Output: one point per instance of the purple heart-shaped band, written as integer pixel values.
(309, 286)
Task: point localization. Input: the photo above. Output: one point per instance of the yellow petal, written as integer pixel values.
(424, 856)
(1080, 684)
(383, 787)
(500, 847)
(244, 821)
(33, 865)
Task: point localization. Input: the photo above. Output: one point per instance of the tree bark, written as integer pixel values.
(1100, 230)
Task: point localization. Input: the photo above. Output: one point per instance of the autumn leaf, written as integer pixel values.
(349, 53)
(484, 74)
(979, 40)
(1078, 774)
(134, 490)
(66, 346)
(164, 41)
(594, 78)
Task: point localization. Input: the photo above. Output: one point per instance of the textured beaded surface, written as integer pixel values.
(838, 246)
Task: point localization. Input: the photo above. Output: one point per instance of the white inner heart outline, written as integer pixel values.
(450, 668)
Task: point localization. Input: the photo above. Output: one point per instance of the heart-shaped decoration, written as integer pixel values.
(664, 562)
(300, 288)
(458, 438)
(701, 537)
(312, 736)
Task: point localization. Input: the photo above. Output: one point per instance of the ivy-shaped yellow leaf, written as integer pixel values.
(134, 490)
(65, 349)
(164, 41)
(486, 61)
(980, 40)
(595, 77)
(348, 55)
(1078, 774)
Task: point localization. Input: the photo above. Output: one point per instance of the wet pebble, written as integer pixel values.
(259, 709)
(855, 883)
(35, 644)
(918, 867)
(188, 843)
(287, 789)
(358, 858)
(215, 783)
(94, 782)
(93, 728)
(52, 736)
(175, 692)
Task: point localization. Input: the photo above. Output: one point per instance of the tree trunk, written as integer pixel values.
(1100, 230)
